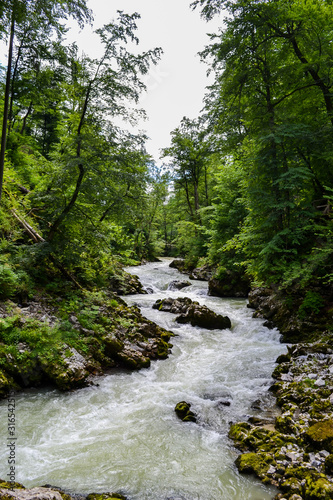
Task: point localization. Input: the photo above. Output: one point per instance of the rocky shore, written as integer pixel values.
(294, 450)
(66, 343)
(16, 491)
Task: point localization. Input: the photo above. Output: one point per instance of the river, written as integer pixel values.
(123, 434)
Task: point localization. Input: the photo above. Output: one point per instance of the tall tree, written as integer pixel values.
(23, 18)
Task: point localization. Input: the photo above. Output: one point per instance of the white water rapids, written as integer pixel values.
(124, 436)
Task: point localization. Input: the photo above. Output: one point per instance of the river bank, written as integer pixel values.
(293, 451)
(126, 421)
(68, 341)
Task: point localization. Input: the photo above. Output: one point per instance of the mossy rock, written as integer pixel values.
(291, 485)
(7, 384)
(285, 424)
(319, 489)
(281, 368)
(184, 413)
(320, 435)
(112, 345)
(329, 464)
(254, 463)
(8, 485)
(133, 360)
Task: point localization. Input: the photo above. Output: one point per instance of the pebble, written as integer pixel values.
(320, 382)
(324, 453)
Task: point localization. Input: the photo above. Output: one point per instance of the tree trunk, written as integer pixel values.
(6, 103)
(73, 199)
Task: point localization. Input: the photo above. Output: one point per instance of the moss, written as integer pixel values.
(7, 485)
(162, 349)
(320, 435)
(291, 485)
(285, 424)
(254, 463)
(239, 432)
(183, 412)
(319, 489)
(281, 368)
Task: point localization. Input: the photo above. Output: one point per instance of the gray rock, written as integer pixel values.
(31, 494)
(178, 285)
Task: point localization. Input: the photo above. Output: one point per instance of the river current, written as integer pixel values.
(123, 435)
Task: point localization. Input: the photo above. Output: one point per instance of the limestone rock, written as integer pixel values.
(30, 494)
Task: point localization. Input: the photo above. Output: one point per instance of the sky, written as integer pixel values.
(176, 86)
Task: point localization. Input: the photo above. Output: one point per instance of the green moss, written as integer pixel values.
(162, 349)
(291, 485)
(320, 435)
(254, 463)
(319, 489)
(7, 485)
(329, 464)
(183, 412)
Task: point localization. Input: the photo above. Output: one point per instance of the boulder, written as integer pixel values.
(184, 413)
(178, 264)
(16, 491)
(193, 312)
(178, 285)
(175, 306)
(30, 494)
(320, 435)
(203, 273)
(126, 284)
(229, 284)
(69, 371)
(201, 316)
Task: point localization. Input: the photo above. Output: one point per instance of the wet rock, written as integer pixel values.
(16, 491)
(175, 306)
(133, 359)
(184, 413)
(229, 284)
(30, 494)
(320, 435)
(69, 371)
(253, 463)
(126, 284)
(178, 264)
(178, 285)
(194, 313)
(203, 273)
(105, 496)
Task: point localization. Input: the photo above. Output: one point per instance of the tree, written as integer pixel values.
(30, 19)
(189, 154)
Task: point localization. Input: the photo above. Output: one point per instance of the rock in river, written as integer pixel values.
(193, 312)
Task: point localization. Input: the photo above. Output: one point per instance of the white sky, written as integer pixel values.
(176, 86)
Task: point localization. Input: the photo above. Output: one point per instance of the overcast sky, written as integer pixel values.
(176, 86)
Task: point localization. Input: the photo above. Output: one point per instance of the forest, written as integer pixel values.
(246, 188)
(243, 200)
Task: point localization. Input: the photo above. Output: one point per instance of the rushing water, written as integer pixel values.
(124, 436)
